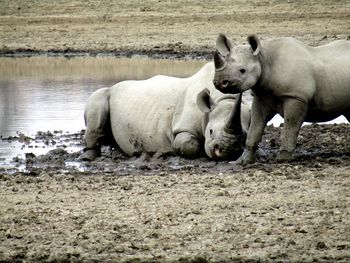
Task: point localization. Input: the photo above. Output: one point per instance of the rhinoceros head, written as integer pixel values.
(237, 68)
(222, 128)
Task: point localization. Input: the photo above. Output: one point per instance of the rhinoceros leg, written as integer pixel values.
(187, 145)
(261, 114)
(294, 112)
(97, 123)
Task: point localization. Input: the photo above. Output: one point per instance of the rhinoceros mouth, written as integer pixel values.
(217, 153)
(228, 86)
(230, 89)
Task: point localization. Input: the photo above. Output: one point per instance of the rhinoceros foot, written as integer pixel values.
(90, 154)
(247, 157)
(284, 156)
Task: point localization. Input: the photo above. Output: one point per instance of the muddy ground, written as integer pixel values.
(55, 208)
(120, 209)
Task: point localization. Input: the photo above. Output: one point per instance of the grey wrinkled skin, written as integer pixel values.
(162, 116)
(288, 77)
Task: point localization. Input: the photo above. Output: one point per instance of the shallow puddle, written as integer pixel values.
(49, 93)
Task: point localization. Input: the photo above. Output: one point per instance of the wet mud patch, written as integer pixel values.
(43, 150)
(317, 146)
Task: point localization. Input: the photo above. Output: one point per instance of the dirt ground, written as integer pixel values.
(163, 26)
(120, 209)
(55, 208)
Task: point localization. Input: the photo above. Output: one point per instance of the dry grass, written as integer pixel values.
(164, 25)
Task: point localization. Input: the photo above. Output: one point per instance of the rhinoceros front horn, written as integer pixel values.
(234, 124)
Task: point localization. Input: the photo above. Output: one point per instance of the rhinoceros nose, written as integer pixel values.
(224, 83)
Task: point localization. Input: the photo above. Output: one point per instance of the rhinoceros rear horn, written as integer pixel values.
(234, 124)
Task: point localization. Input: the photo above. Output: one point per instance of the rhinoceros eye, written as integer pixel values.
(210, 131)
(242, 70)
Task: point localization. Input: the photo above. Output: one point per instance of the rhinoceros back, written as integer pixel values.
(142, 111)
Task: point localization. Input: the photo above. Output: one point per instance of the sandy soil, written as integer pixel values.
(119, 209)
(163, 26)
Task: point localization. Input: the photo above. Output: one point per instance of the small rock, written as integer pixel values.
(302, 231)
(291, 242)
(321, 245)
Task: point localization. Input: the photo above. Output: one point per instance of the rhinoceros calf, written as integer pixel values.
(286, 76)
(166, 116)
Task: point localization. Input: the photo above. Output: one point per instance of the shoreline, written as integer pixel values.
(155, 54)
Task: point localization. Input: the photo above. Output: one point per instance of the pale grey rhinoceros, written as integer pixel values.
(286, 76)
(167, 115)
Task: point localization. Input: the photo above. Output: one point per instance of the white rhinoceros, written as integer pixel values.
(286, 76)
(167, 115)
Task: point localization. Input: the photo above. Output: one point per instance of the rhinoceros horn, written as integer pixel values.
(233, 124)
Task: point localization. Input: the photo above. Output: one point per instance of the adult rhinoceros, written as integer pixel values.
(167, 115)
(299, 82)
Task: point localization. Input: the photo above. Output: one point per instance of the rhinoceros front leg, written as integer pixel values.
(261, 114)
(294, 113)
(187, 145)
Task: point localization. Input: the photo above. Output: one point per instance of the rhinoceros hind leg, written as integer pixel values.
(98, 130)
(187, 145)
(294, 116)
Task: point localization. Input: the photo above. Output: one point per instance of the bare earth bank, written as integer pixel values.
(163, 26)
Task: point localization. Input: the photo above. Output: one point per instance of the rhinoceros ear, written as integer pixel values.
(223, 45)
(254, 43)
(204, 102)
